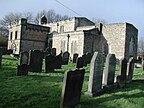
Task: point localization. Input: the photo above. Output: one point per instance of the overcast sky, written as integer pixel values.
(112, 11)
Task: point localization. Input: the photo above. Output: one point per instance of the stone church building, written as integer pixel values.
(75, 35)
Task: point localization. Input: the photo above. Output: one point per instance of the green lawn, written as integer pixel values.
(43, 90)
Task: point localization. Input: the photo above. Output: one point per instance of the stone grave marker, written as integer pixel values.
(65, 58)
(50, 63)
(96, 74)
(22, 70)
(58, 61)
(75, 56)
(79, 62)
(84, 60)
(109, 71)
(53, 51)
(121, 79)
(24, 56)
(0, 59)
(88, 57)
(130, 69)
(72, 86)
(35, 61)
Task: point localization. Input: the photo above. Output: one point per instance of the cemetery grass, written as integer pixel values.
(43, 90)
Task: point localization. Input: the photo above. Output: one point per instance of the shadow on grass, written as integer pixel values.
(46, 76)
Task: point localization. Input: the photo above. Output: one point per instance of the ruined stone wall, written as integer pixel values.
(29, 36)
(69, 25)
(131, 37)
(115, 36)
(95, 42)
(33, 37)
(77, 37)
(118, 37)
(13, 40)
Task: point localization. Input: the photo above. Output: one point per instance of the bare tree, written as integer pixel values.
(98, 20)
(13, 18)
(51, 16)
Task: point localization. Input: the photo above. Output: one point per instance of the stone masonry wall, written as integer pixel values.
(77, 36)
(14, 43)
(115, 36)
(131, 35)
(29, 37)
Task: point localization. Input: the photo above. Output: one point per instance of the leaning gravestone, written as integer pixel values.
(22, 70)
(58, 62)
(121, 79)
(130, 69)
(96, 73)
(65, 58)
(109, 70)
(0, 58)
(72, 86)
(88, 57)
(75, 56)
(123, 69)
(53, 51)
(50, 63)
(24, 56)
(35, 61)
(79, 62)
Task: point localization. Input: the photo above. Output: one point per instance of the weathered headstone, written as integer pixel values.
(143, 64)
(75, 56)
(58, 62)
(87, 58)
(84, 60)
(50, 63)
(121, 79)
(35, 61)
(22, 70)
(109, 70)
(0, 59)
(53, 51)
(72, 86)
(24, 56)
(123, 69)
(96, 74)
(79, 62)
(130, 69)
(65, 58)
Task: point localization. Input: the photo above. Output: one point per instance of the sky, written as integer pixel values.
(112, 11)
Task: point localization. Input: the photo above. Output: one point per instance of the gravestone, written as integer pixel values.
(121, 79)
(130, 69)
(96, 74)
(53, 51)
(50, 63)
(35, 61)
(47, 51)
(87, 58)
(65, 58)
(58, 62)
(75, 56)
(0, 59)
(84, 60)
(109, 70)
(22, 70)
(24, 56)
(72, 86)
(143, 64)
(123, 69)
(79, 62)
